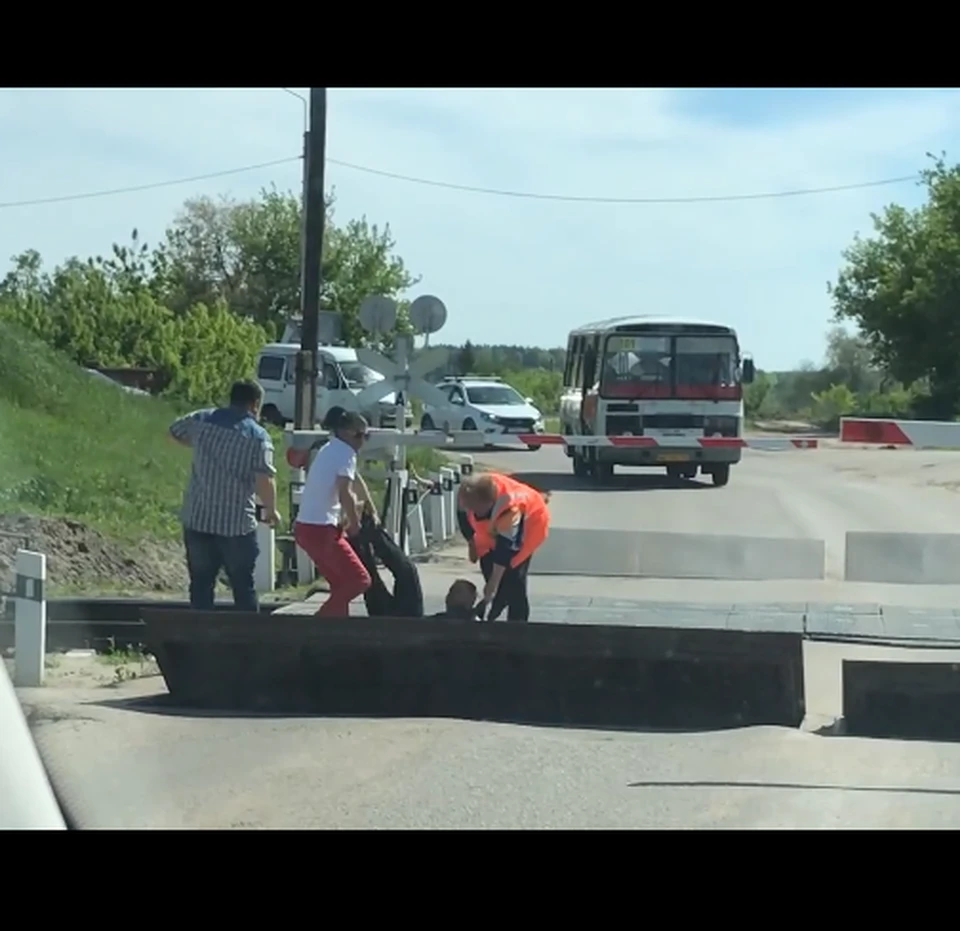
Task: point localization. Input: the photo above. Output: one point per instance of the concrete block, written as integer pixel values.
(903, 558)
(919, 701)
(651, 554)
(578, 673)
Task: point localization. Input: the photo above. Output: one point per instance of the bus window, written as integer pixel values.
(636, 361)
(573, 363)
(706, 360)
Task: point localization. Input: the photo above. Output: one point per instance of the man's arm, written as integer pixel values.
(505, 548)
(359, 485)
(183, 429)
(348, 502)
(265, 480)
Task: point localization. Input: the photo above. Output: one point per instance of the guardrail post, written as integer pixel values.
(449, 503)
(396, 483)
(437, 519)
(417, 531)
(306, 571)
(265, 568)
(30, 625)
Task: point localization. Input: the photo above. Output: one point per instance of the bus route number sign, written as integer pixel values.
(625, 343)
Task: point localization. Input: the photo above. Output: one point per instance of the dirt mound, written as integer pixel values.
(80, 557)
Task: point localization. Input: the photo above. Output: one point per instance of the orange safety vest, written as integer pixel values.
(531, 503)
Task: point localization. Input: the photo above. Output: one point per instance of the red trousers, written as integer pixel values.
(336, 561)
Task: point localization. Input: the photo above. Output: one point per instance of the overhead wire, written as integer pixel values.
(590, 199)
(473, 189)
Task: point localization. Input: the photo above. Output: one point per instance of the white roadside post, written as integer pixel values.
(437, 520)
(466, 465)
(416, 526)
(397, 480)
(30, 625)
(449, 503)
(265, 568)
(455, 500)
(306, 571)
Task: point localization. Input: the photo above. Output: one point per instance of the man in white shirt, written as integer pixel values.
(329, 507)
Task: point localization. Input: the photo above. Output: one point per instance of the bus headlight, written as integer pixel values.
(720, 426)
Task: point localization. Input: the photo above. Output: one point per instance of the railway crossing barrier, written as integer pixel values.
(582, 661)
(888, 431)
(707, 673)
(902, 700)
(652, 554)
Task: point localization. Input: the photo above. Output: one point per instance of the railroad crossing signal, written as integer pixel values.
(408, 380)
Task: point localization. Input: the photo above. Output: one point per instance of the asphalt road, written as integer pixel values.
(120, 767)
(125, 767)
(818, 494)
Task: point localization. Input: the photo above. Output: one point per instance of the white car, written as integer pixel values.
(485, 404)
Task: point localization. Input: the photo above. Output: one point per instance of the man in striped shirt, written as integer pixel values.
(232, 466)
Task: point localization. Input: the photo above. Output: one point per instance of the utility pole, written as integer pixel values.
(314, 208)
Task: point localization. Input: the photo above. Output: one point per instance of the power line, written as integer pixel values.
(622, 200)
(146, 187)
(495, 192)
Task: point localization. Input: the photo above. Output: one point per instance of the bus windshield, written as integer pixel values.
(705, 362)
(661, 366)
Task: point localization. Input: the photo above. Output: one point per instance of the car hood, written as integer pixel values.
(511, 411)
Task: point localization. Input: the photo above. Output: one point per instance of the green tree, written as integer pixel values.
(466, 359)
(902, 287)
(247, 254)
(97, 314)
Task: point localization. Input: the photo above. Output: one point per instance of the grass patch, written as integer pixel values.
(124, 657)
(78, 447)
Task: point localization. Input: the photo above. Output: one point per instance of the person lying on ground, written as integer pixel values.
(406, 600)
(461, 602)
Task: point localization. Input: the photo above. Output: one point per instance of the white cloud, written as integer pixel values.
(509, 269)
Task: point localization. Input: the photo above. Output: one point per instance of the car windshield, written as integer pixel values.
(358, 375)
(494, 394)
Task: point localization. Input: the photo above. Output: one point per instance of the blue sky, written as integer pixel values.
(512, 270)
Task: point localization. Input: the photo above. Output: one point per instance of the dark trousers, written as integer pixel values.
(207, 554)
(512, 593)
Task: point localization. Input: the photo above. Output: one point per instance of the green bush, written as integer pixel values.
(543, 386)
(103, 322)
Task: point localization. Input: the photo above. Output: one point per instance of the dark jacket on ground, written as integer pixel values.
(406, 600)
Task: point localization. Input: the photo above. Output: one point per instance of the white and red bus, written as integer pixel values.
(677, 382)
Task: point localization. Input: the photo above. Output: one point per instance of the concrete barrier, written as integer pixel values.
(918, 701)
(903, 558)
(567, 674)
(651, 554)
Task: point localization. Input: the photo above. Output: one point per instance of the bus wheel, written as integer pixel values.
(721, 474)
(603, 473)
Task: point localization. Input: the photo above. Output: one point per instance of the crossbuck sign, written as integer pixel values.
(407, 379)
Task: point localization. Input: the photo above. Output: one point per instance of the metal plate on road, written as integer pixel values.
(885, 623)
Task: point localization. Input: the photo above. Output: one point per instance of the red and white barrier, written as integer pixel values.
(707, 442)
(918, 434)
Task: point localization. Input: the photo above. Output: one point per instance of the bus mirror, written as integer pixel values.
(748, 371)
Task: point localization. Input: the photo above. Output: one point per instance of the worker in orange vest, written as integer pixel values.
(505, 522)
